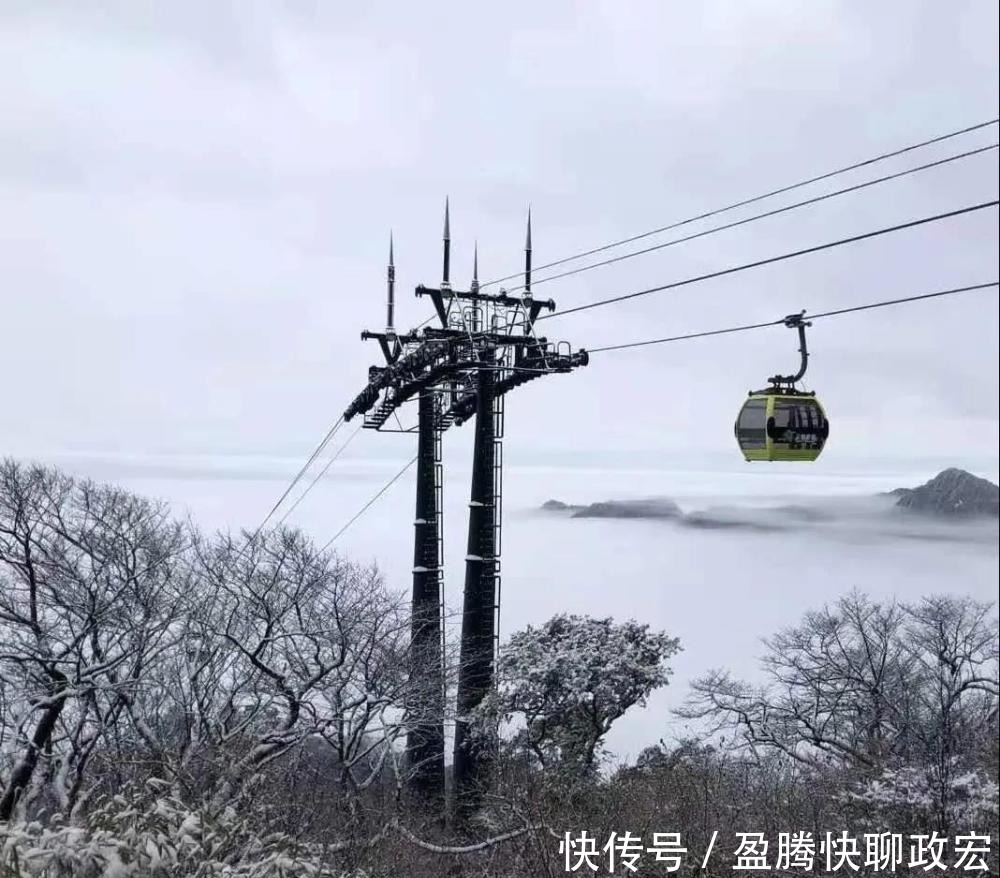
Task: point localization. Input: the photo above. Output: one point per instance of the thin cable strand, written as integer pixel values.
(320, 475)
(773, 259)
(759, 216)
(298, 476)
(780, 191)
(367, 505)
(749, 326)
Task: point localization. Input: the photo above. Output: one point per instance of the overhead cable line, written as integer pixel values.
(752, 200)
(367, 505)
(760, 216)
(298, 476)
(889, 302)
(320, 474)
(782, 322)
(829, 245)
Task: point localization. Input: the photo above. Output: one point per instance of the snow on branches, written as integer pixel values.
(563, 685)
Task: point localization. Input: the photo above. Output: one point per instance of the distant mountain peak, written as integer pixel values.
(952, 492)
(657, 507)
(557, 506)
(652, 508)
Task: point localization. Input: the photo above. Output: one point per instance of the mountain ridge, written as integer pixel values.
(955, 493)
(952, 494)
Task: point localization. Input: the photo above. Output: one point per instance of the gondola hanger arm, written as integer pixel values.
(795, 321)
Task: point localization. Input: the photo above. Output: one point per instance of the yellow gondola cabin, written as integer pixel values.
(782, 425)
(782, 422)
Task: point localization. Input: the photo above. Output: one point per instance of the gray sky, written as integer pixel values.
(196, 200)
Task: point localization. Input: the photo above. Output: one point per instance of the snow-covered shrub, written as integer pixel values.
(163, 839)
(925, 795)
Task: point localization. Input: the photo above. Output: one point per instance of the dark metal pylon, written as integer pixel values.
(473, 759)
(425, 739)
(484, 347)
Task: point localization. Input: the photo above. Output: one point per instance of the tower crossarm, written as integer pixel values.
(495, 339)
(392, 345)
(405, 368)
(402, 393)
(539, 363)
(501, 299)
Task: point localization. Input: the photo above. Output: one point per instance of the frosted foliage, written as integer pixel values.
(163, 838)
(969, 797)
(566, 682)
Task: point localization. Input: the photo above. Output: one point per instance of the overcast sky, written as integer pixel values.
(195, 202)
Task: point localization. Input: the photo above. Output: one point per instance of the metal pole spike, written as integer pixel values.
(446, 266)
(527, 258)
(390, 310)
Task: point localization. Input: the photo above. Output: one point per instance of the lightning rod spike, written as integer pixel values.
(390, 308)
(446, 266)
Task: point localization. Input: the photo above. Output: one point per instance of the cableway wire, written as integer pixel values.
(320, 474)
(749, 326)
(752, 200)
(759, 216)
(773, 259)
(774, 192)
(368, 505)
(298, 476)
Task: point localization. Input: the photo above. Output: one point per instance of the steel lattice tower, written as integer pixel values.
(484, 347)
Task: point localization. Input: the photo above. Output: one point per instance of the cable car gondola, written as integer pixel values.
(782, 422)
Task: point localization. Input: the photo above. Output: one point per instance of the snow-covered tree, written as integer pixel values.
(133, 647)
(88, 585)
(287, 645)
(888, 694)
(561, 686)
